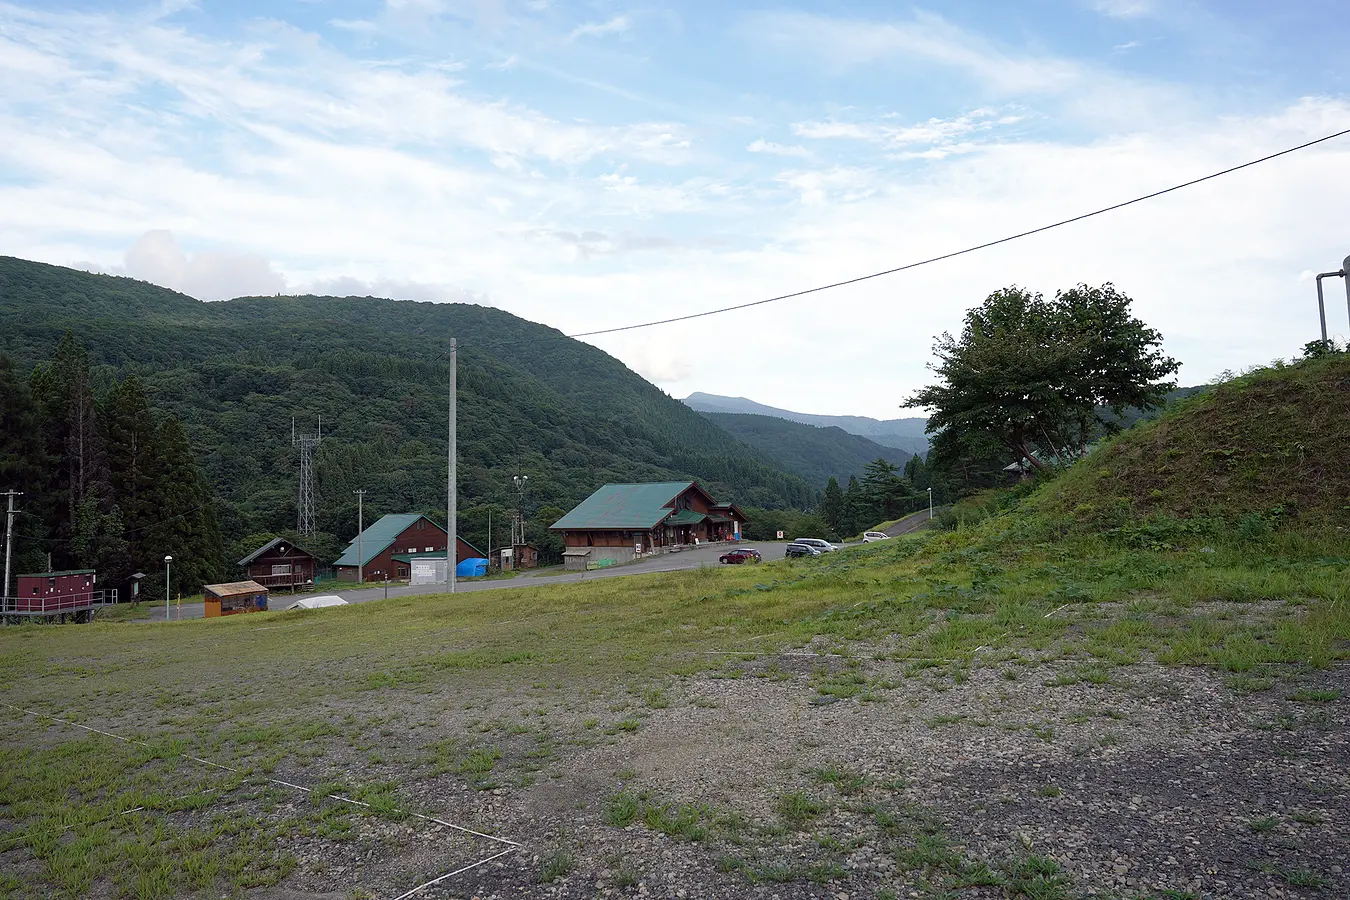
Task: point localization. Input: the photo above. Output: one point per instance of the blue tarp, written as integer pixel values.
(471, 568)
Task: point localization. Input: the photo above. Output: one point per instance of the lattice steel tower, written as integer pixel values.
(305, 505)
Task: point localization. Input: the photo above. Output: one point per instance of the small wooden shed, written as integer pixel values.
(235, 597)
(520, 556)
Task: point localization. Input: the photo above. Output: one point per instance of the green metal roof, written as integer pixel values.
(377, 537)
(624, 506)
(686, 517)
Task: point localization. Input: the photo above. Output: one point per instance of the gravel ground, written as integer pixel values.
(1159, 783)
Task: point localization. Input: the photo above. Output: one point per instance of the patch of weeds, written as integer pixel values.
(1248, 684)
(1049, 790)
(683, 821)
(844, 781)
(1304, 878)
(797, 808)
(624, 725)
(622, 809)
(1045, 732)
(1264, 825)
(945, 721)
(1310, 695)
(1307, 816)
(655, 698)
(556, 865)
(1036, 877)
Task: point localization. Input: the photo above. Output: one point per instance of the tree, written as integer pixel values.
(885, 492)
(832, 506)
(854, 507)
(65, 395)
(24, 463)
(1034, 374)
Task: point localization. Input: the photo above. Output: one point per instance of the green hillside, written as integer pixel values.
(815, 453)
(1264, 448)
(531, 400)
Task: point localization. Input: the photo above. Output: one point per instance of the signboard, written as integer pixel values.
(780, 535)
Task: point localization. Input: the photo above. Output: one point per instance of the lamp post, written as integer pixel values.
(930, 504)
(360, 530)
(167, 560)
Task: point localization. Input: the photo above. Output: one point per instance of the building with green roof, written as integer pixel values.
(373, 553)
(621, 522)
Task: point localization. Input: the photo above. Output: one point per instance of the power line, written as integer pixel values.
(984, 246)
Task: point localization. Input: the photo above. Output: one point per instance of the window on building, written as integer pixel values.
(281, 570)
(429, 549)
(420, 524)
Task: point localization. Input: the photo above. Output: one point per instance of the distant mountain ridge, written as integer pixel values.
(811, 452)
(902, 434)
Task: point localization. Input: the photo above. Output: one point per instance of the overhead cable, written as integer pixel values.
(984, 246)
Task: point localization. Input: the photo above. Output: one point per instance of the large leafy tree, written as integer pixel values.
(1035, 374)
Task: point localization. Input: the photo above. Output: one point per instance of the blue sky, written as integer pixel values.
(594, 164)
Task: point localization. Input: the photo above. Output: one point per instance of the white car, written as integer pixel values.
(822, 546)
(870, 536)
(319, 602)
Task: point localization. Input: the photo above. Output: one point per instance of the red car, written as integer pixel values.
(740, 556)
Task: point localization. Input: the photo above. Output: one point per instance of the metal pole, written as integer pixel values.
(1321, 307)
(167, 561)
(1345, 273)
(930, 503)
(9, 537)
(360, 530)
(452, 499)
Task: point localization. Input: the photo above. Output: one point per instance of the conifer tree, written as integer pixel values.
(832, 507)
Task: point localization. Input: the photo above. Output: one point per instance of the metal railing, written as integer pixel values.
(56, 604)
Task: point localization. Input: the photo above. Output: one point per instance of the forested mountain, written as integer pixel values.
(236, 373)
(903, 434)
(815, 453)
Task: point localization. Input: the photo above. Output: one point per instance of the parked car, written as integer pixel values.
(796, 549)
(822, 546)
(740, 555)
(870, 536)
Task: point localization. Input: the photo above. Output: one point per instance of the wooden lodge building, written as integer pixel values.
(622, 522)
(280, 565)
(386, 548)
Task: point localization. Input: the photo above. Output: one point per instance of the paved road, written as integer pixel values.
(669, 562)
(914, 522)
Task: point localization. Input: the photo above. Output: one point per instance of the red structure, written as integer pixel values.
(280, 565)
(406, 534)
(54, 593)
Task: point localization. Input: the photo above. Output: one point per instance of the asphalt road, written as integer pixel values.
(668, 562)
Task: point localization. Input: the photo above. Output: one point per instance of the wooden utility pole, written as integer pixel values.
(9, 539)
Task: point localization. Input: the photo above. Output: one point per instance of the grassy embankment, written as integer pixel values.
(1230, 553)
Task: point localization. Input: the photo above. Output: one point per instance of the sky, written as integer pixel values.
(596, 164)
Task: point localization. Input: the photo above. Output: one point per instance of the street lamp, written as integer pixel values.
(930, 504)
(167, 560)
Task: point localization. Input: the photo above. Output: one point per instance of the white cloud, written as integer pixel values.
(762, 146)
(933, 131)
(1124, 9)
(206, 275)
(616, 25)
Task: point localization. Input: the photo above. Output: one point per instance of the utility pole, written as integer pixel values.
(9, 538)
(452, 499)
(518, 525)
(360, 529)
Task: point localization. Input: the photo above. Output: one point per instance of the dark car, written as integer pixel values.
(794, 549)
(740, 555)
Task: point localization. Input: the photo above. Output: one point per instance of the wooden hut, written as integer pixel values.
(235, 597)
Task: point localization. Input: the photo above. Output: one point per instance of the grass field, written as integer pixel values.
(493, 712)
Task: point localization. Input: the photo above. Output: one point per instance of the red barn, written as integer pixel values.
(404, 534)
(50, 593)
